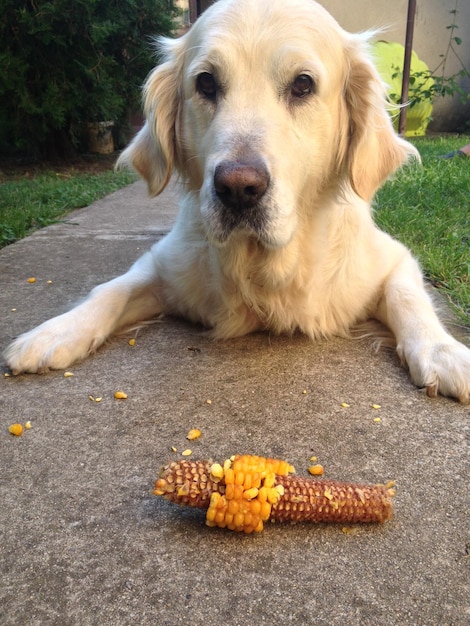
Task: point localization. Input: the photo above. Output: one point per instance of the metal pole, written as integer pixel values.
(410, 24)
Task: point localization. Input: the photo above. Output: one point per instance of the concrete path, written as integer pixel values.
(82, 541)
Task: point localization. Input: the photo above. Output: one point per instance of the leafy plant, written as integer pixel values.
(70, 61)
(431, 84)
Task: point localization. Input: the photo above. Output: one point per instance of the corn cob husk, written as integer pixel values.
(299, 499)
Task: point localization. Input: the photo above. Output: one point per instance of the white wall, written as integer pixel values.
(431, 39)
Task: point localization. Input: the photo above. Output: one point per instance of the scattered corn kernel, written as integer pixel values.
(132, 342)
(194, 433)
(13, 310)
(345, 405)
(7, 375)
(377, 420)
(68, 374)
(49, 282)
(376, 406)
(187, 452)
(304, 391)
(120, 395)
(31, 280)
(16, 429)
(316, 470)
(98, 399)
(313, 459)
(208, 401)
(27, 425)
(173, 449)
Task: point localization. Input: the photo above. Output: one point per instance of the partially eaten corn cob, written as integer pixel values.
(246, 491)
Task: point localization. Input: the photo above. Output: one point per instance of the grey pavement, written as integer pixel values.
(82, 540)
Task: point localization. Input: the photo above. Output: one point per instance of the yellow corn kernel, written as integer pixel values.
(316, 470)
(131, 342)
(233, 506)
(16, 429)
(229, 477)
(273, 496)
(229, 491)
(239, 478)
(239, 519)
(194, 433)
(265, 511)
(31, 280)
(269, 480)
(68, 374)
(120, 395)
(27, 425)
(216, 471)
(187, 452)
(249, 494)
(345, 405)
(173, 449)
(376, 406)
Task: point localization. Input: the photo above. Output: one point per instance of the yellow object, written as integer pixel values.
(68, 374)
(250, 492)
(120, 395)
(389, 62)
(187, 452)
(27, 425)
(132, 342)
(316, 470)
(31, 280)
(16, 429)
(194, 433)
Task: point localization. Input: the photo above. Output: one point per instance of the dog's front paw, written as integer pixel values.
(441, 368)
(56, 344)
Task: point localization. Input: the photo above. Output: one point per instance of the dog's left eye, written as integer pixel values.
(206, 85)
(303, 85)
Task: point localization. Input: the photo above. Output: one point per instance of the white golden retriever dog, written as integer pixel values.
(275, 119)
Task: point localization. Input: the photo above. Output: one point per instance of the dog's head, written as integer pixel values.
(263, 107)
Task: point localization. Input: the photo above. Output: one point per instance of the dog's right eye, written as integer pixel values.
(206, 85)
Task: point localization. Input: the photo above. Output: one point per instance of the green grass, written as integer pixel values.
(28, 204)
(427, 208)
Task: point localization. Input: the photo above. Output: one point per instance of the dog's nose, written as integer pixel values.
(241, 184)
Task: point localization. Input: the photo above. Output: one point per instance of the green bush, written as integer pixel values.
(65, 62)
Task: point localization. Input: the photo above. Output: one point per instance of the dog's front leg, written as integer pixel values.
(62, 340)
(434, 358)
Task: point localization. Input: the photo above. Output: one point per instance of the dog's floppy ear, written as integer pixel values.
(374, 150)
(154, 152)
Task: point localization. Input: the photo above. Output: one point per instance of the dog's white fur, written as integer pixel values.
(307, 256)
